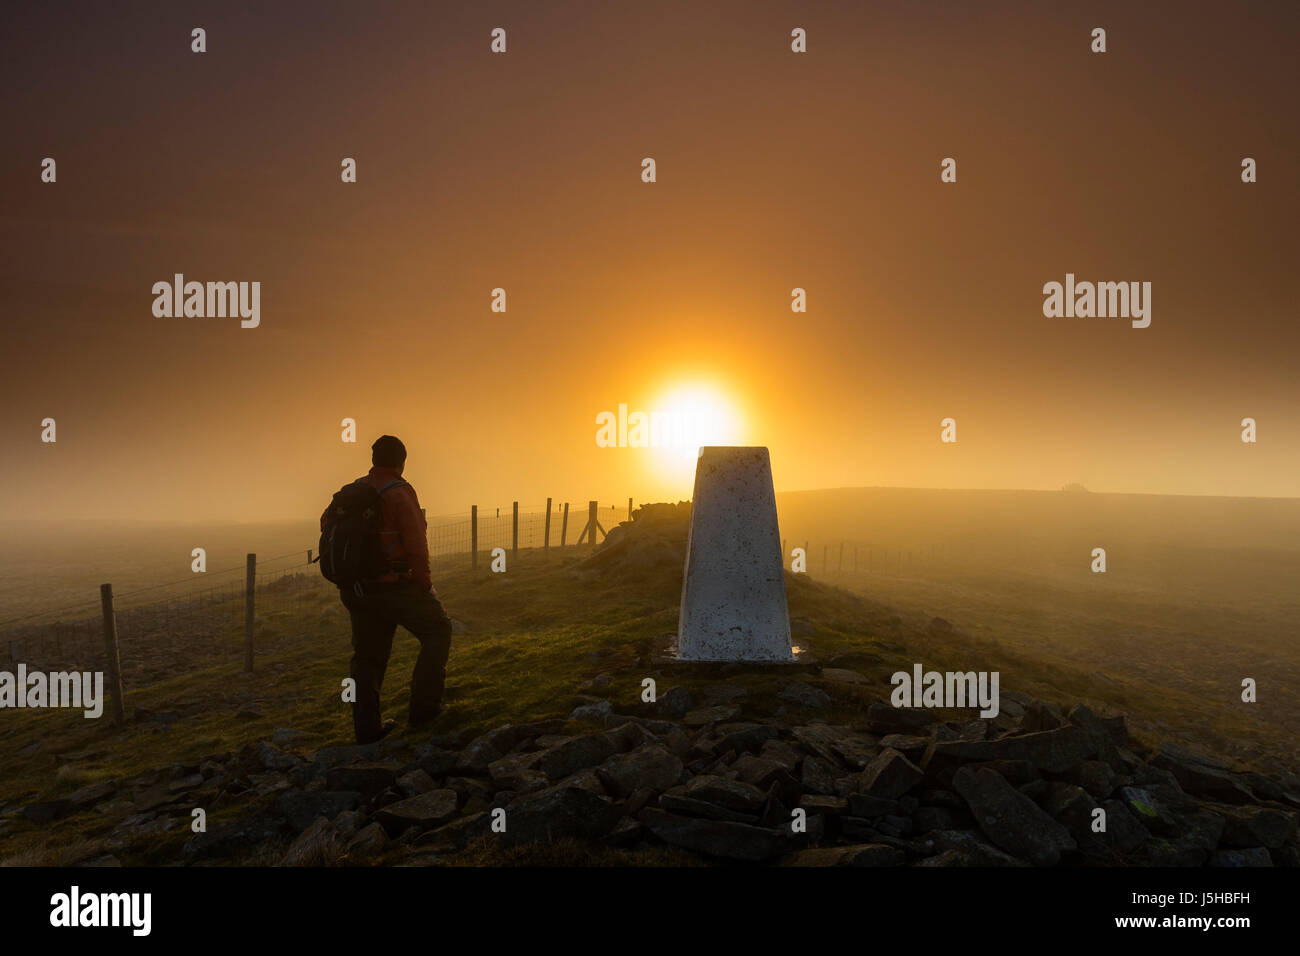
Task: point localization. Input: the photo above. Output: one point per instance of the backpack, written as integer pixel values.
(350, 548)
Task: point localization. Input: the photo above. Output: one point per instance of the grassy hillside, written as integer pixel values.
(1199, 593)
(536, 640)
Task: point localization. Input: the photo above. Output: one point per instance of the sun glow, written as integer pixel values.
(696, 414)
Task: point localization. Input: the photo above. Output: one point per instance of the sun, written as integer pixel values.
(690, 415)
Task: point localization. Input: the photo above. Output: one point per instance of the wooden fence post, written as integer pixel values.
(592, 521)
(250, 581)
(113, 660)
(564, 524)
(473, 536)
(629, 509)
(546, 535)
(514, 533)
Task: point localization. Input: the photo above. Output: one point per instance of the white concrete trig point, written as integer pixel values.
(733, 590)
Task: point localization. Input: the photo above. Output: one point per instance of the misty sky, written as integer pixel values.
(522, 171)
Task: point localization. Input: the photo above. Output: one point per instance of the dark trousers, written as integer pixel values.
(375, 617)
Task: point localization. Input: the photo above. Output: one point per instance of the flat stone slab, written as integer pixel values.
(425, 812)
(721, 838)
(664, 655)
(1011, 821)
(710, 715)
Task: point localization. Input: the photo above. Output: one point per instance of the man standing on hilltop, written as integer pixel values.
(380, 560)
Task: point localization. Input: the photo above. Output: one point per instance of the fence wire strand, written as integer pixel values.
(184, 625)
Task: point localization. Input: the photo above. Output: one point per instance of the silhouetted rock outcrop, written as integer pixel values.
(711, 782)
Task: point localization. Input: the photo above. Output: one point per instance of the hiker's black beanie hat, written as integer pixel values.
(387, 452)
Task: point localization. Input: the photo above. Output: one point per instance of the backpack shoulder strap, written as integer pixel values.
(395, 481)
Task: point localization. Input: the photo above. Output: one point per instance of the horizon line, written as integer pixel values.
(792, 491)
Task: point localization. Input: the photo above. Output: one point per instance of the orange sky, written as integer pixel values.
(522, 171)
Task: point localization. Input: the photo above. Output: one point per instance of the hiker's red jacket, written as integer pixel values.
(404, 534)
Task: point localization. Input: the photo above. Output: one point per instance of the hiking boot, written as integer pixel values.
(420, 721)
(384, 731)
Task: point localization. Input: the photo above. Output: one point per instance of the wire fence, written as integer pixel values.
(822, 557)
(496, 528)
(172, 628)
